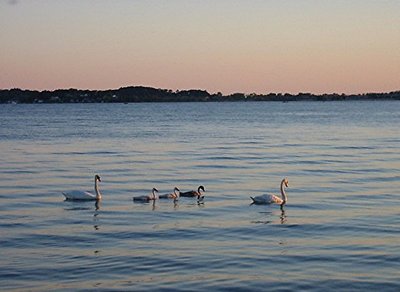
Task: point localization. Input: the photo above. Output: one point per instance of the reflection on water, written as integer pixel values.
(283, 215)
(96, 218)
(82, 205)
(339, 230)
(163, 204)
(270, 215)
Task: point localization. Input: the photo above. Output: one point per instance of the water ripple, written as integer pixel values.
(338, 231)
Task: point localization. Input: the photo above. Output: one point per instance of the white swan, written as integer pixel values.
(273, 199)
(175, 195)
(85, 196)
(152, 197)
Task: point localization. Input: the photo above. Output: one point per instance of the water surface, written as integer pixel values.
(339, 230)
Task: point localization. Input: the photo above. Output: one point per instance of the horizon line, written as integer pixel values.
(211, 93)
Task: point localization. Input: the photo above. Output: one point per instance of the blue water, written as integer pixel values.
(339, 230)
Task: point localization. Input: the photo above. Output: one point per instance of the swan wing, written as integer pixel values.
(276, 199)
(266, 199)
(189, 194)
(262, 199)
(167, 196)
(79, 195)
(145, 198)
(141, 198)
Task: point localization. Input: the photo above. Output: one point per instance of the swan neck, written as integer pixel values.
(283, 193)
(96, 189)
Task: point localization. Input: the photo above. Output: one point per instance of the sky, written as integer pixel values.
(249, 46)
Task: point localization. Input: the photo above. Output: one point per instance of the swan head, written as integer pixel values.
(97, 178)
(201, 188)
(154, 190)
(285, 182)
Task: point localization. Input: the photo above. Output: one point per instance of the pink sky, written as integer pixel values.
(230, 46)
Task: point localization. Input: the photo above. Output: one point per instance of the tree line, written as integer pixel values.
(149, 94)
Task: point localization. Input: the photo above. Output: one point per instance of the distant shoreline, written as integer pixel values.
(136, 94)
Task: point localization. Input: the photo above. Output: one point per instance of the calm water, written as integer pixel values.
(339, 230)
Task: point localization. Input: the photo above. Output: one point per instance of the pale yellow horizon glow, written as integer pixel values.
(224, 46)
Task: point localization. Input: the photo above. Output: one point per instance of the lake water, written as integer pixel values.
(339, 230)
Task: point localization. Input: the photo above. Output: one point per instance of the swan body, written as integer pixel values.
(271, 198)
(76, 195)
(267, 199)
(175, 195)
(192, 194)
(151, 197)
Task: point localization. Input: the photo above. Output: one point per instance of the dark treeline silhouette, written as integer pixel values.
(149, 94)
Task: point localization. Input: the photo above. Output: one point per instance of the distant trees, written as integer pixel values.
(149, 94)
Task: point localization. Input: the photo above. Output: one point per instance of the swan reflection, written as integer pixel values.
(271, 217)
(153, 205)
(82, 205)
(96, 214)
(283, 216)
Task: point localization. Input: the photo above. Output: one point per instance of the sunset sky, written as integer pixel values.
(261, 46)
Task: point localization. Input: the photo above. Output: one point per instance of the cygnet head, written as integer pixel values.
(286, 182)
